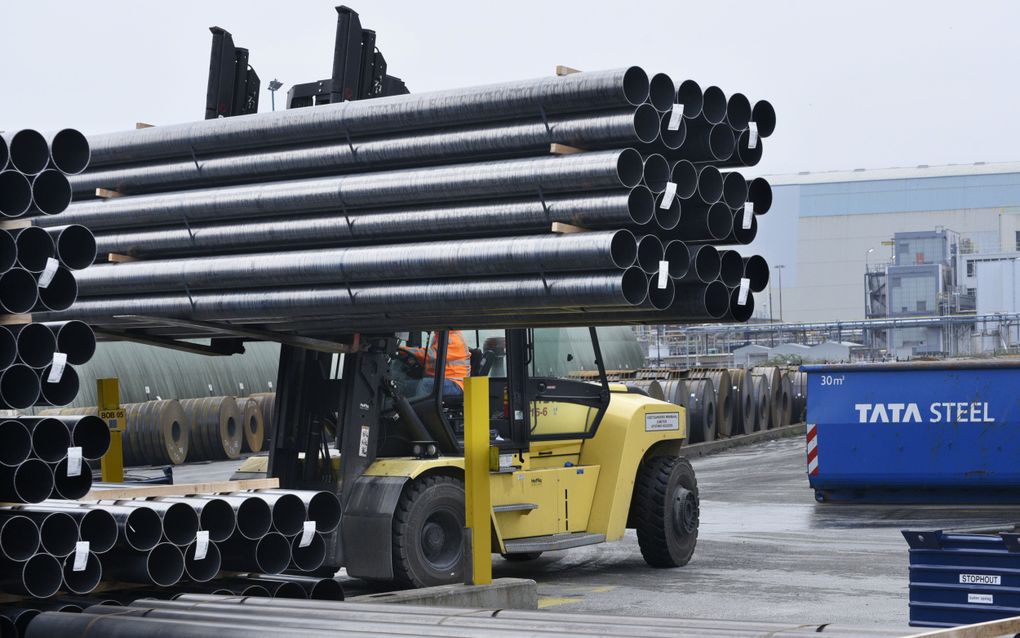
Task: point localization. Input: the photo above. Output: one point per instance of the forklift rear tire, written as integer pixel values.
(428, 533)
(521, 557)
(666, 511)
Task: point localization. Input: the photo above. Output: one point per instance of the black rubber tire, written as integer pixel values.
(430, 508)
(664, 531)
(521, 556)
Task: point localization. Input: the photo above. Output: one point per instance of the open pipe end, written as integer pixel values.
(764, 115)
(142, 530)
(180, 524)
(50, 440)
(5, 154)
(29, 151)
(76, 247)
(33, 481)
(689, 94)
(272, 554)
(649, 254)
(76, 339)
(713, 104)
(165, 565)
(741, 312)
(635, 85)
(8, 348)
(706, 263)
(19, 386)
(721, 142)
(629, 167)
(19, 538)
(720, 221)
(655, 173)
(672, 138)
(62, 391)
(734, 190)
(69, 150)
(717, 299)
(661, 92)
(204, 570)
(326, 589)
(710, 184)
(35, 247)
(254, 518)
(42, 576)
(18, 291)
(306, 559)
(71, 487)
(99, 528)
(667, 218)
(61, 293)
(15, 194)
(51, 192)
(217, 518)
(646, 123)
(288, 514)
(92, 435)
(759, 192)
(661, 297)
(85, 580)
(748, 156)
(756, 269)
(15, 443)
(641, 205)
(685, 176)
(635, 286)
(36, 345)
(623, 249)
(324, 509)
(738, 111)
(8, 248)
(58, 534)
(679, 258)
(743, 235)
(731, 267)
(292, 590)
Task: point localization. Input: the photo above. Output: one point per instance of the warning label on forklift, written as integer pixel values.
(661, 421)
(980, 579)
(363, 444)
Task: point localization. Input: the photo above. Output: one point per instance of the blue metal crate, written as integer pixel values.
(963, 577)
(928, 432)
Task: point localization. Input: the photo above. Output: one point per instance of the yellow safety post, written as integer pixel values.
(108, 392)
(476, 480)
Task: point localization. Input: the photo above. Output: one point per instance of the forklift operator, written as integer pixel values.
(458, 365)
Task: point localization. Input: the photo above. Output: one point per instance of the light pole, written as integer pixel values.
(274, 86)
(779, 274)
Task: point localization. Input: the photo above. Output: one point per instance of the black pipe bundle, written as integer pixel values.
(430, 209)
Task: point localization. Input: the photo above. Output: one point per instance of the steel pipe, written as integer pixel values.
(270, 554)
(215, 515)
(759, 192)
(55, 532)
(50, 438)
(253, 516)
(738, 234)
(69, 150)
(617, 209)
(744, 155)
(764, 115)
(738, 111)
(15, 194)
(578, 91)
(288, 510)
(17, 620)
(18, 291)
(315, 588)
(757, 270)
(649, 254)
(59, 294)
(30, 482)
(59, 392)
(731, 268)
(88, 432)
(740, 312)
(322, 507)
(231, 587)
(699, 301)
(138, 529)
(85, 580)
(310, 557)
(19, 537)
(39, 577)
(734, 190)
(75, 245)
(5, 154)
(671, 135)
(707, 143)
(8, 347)
(15, 443)
(660, 293)
(180, 521)
(710, 184)
(8, 248)
(163, 565)
(71, 487)
(661, 92)
(51, 193)
(75, 339)
(655, 172)
(517, 177)
(688, 93)
(204, 569)
(35, 344)
(701, 222)
(29, 152)
(713, 105)
(601, 250)
(678, 257)
(666, 217)
(502, 140)
(34, 247)
(99, 528)
(685, 175)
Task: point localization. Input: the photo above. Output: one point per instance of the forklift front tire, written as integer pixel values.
(428, 533)
(666, 511)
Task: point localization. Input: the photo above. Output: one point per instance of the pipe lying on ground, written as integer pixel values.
(75, 245)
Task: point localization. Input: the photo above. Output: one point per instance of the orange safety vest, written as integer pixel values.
(458, 358)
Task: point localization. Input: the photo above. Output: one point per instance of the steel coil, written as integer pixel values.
(215, 424)
(252, 424)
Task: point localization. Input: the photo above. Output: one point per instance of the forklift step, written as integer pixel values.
(552, 542)
(515, 507)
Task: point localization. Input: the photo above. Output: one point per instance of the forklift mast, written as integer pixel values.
(233, 84)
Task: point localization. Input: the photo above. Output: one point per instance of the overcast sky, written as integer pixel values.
(855, 83)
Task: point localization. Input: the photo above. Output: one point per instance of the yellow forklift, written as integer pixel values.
(573, 462)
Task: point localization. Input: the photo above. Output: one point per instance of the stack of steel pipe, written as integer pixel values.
(438, 210)
(37, 362)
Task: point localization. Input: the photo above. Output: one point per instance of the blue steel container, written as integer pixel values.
(915, 432)
(963, 577)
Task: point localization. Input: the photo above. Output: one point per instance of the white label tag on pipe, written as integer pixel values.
(48, 272)
(668, 195)
(748, 215)
(675, 116)
(663, 274)
(745, 287)
(57, 367)
(307, 533)
(74, 461)
(240, 386)
(201, 544)
(752, 134)
(81, 556)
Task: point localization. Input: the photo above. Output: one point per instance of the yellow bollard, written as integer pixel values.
(476, 480)
(112, 463)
